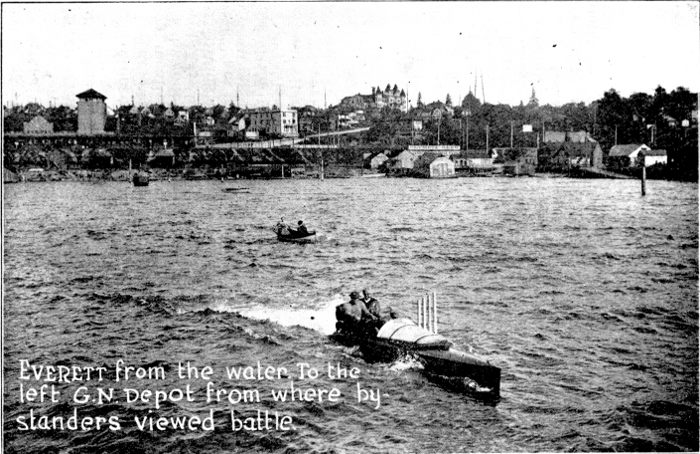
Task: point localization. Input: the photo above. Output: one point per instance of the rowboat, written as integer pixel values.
(442, 363)
(288, 235)
(310, 238)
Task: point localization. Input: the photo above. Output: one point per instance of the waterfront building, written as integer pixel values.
(473, 160)
(274, 122)
(378, 160)
(38, 125)
(626, 155)
(92, 112)
(562, 156)
(432, 165)
(405, 160)
(164, 157)
(655, 157)
(519, 161)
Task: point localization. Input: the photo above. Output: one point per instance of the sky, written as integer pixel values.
(318, 52)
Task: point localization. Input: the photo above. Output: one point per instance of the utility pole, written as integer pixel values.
(542, 130)
(487, 138)
(321, 150)
(467, 140)
(644, 173)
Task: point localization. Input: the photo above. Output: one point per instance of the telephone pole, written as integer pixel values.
(487, 138)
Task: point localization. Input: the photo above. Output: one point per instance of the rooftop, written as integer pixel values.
(91, 94)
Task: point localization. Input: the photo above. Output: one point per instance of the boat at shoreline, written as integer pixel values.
(141, 179)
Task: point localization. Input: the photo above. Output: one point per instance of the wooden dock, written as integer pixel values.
(590, 172)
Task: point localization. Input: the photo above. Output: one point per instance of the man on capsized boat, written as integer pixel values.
(353, 318)
(281, 227)
(383, 314)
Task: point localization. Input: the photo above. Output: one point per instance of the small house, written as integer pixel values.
(163, 158)
(431, 165)
(519, 161)
(562, 156)
(474, 160)
(378, 160)
(626, 155)
(554, 137)
(38, 125)
(405, 159)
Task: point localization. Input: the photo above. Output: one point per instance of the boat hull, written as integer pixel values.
(310, 238)
(306, 239)
(452, 368)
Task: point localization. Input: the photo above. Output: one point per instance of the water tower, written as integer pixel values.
(92, 112)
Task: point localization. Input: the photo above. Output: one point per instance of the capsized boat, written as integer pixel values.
(442, 363)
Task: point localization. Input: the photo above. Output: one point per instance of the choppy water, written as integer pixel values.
(583, 292)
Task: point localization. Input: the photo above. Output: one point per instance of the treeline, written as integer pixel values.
(154, 119)
(661, 120)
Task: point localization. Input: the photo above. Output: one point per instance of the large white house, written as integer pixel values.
(280, 122)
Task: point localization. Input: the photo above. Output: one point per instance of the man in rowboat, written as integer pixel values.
(301, 229)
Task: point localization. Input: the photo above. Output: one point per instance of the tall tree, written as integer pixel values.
(471, 104)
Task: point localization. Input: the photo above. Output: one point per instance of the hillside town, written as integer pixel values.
(375, 133)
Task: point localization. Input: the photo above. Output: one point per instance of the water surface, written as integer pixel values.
(582, 291)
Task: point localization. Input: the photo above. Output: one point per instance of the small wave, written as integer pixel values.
(406, 363)
(401, 229)
(321, 319)
(645, 330)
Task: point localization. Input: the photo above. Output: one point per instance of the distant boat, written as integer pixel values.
(243, 190)
(373, 175)
(288, 235)
(141, 179)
